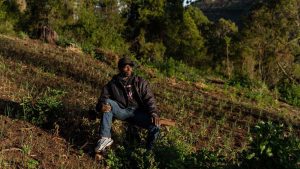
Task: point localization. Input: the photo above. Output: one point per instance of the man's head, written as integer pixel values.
(125, 66)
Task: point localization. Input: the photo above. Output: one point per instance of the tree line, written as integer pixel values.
(266, 47)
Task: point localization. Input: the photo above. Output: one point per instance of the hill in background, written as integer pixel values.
(233, 10)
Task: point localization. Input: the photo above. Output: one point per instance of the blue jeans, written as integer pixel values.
(133, 116)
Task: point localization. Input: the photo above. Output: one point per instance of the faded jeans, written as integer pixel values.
(133, 116)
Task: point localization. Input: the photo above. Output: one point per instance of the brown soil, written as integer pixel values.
(23, 145)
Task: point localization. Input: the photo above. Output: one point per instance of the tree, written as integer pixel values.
(219, 41)
(267, 40)
(160, 29)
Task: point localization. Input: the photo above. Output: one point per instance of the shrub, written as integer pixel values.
(45, 109)
(173, 68)
(22, 35)
(205, 159)
(290, 92)
(271, 148)
(131, 158)
(6, 22)
(240, 80)
(65, 42)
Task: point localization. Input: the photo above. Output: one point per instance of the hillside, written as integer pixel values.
(207, 114)
(233, 10)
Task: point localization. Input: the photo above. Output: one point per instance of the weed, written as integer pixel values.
(26, 149)
(127, 158)
(32, 164)
(271, 147)
(205, 159)
(290, 92)
(45, 109)
(22, 35)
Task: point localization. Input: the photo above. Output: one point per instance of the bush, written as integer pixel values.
(271, 148)
(205, 159)
(65, 42)
(290, 92)
(240, 80)
(131, 158)
(174, 68)
(45, 109)
(6, 22)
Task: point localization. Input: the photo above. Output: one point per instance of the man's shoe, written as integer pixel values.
(103, 143)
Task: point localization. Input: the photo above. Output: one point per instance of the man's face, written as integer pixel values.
(127, 70)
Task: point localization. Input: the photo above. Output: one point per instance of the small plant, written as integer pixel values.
(240, 81)
(205, 159)
(172, 68)
(22, 35)
(131, 158)
(290, 92)
(65, 42)
(32, 164)
(271, 147)
(44, 109)
(26, 149)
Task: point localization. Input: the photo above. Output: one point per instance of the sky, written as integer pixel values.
(185, 2)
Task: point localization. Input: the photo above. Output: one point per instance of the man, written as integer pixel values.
(128, 98)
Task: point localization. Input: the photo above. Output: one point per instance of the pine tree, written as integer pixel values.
(268, 40)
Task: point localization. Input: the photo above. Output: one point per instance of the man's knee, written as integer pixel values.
(107, 106)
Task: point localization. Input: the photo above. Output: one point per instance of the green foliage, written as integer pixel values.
(159, 29)
(191, 47)
(269, 39)
(151, 51)
(205, 159)
(65, 42)
(22, 35)
(271, 147)
(220, 40)
(6, 21)
(290, 92)
(178, 69)
(44, 109)
(171, 152)
(127, 159)
(240, 80)
(32, 164)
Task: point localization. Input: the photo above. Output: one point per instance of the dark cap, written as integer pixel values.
(125, 61)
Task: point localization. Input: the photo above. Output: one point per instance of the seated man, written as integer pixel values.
(127, 97)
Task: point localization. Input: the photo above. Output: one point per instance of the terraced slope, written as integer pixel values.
(215, 116)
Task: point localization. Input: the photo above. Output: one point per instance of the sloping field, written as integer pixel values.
(207, 115)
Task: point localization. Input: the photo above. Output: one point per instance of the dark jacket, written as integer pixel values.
(114, 90)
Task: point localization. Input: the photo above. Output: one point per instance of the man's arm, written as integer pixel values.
(148, 98)
(150, 103)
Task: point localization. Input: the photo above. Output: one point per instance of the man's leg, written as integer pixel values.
(116, 112)
(144, 120)
(107, 117)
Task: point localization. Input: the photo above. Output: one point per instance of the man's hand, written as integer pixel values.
(155, 119)
(105, 108)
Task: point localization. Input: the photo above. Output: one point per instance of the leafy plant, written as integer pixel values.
(44, 109)
(290, 92)
(131, 158)
(32, 164)
(173, 68)
(240, 80)
(271, 147)
(205, 159)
